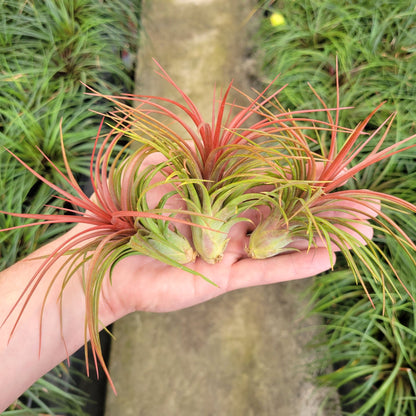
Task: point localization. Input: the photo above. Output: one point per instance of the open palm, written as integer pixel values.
(143, 283)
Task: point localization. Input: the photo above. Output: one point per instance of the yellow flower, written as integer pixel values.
(277, 19)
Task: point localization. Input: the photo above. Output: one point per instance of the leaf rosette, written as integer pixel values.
(188, 182)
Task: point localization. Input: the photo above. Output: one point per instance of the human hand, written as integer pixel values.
(137, 283)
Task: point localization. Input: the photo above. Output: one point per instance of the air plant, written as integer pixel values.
(253, 159)
(219, 165)
(327, 211)
(280, 160)
(117, 227)
(212, 179)
(59, 42)
(133, 187)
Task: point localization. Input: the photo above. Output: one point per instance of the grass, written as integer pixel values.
(53, 394)
(371, 350)
(46, 49)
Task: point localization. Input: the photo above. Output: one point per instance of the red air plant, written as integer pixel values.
(257, 158)
(218, 165)
(120, 223)
(262, 156)
(327, 211)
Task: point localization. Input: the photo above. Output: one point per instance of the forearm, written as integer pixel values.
(23, 358)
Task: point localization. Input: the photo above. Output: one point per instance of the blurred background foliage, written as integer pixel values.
(48, 48)
(370, 352)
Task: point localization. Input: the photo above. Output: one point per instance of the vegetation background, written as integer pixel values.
(47, 47)
(372, 352)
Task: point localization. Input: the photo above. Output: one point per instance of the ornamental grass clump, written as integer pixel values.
(281, 171)
(372, 351)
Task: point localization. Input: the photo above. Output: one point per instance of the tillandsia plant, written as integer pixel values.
(132, 187)
(282, 160)
(220, 166)
(118, 227)
(327, 211)
(60, 42)
(251, 161)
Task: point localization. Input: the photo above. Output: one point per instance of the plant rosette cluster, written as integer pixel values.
(189, 182)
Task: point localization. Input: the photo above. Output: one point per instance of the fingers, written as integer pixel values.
(286, 267)
(349, 208)
(356, 229)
